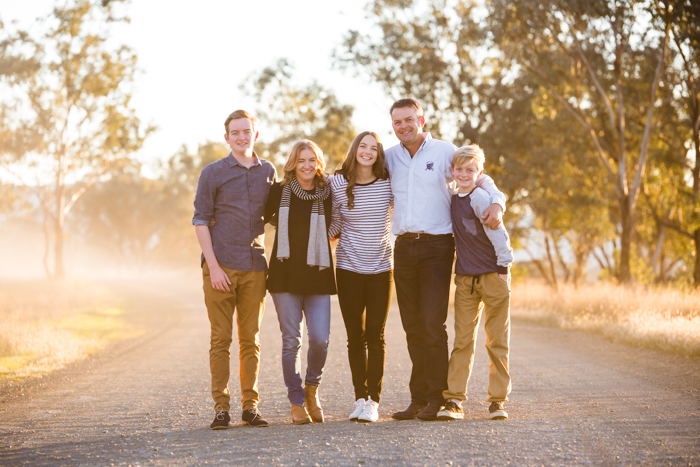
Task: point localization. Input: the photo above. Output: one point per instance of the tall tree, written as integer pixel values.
(439, 52)
(593, 59)
(67, 120)
(291, 112)
(680, 133)
(443, 53)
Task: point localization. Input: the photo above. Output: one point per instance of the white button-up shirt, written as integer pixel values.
(423, 187)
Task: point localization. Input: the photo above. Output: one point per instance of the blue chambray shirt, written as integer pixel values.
(235, 196)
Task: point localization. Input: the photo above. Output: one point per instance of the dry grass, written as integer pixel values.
(44, 326)
(663, 319)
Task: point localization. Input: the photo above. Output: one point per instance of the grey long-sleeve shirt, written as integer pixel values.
(235, 196)
(480, 250)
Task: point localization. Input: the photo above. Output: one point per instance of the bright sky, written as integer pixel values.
(193, 56)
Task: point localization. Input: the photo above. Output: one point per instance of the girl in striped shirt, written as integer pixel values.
(362, 201)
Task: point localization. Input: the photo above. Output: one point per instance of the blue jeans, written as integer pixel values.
(291, 310)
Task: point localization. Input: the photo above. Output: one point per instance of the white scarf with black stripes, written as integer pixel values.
(317, 252)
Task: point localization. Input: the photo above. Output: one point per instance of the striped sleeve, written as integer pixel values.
(365, 231)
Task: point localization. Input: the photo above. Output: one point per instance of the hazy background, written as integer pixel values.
(588, 112)
(192, 57)
(107, 123)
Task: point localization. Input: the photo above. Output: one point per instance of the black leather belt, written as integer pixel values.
(416, 236)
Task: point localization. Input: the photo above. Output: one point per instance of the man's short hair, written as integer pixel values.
(407, 102)
(240, 114)
(466, 154)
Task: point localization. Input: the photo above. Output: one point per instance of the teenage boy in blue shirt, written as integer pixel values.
(234, 267)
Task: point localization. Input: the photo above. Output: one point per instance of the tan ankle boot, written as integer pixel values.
(299, 415)
(313, 404)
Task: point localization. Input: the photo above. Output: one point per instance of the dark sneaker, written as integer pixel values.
(410, 412)
(497, 411)
(451, 411)
(253, 417)
(221, 420)
(430, 412)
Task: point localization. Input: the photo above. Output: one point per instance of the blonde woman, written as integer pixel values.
(362, 203)
(301, 278)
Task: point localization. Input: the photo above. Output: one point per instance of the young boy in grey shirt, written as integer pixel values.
(484, 257)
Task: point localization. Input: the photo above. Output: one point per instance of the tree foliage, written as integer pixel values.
(439, 52)
(584, 109)
(66, 120)
(288, 113)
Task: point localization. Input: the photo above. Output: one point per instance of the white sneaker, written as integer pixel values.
(370, 414)
(359, 408)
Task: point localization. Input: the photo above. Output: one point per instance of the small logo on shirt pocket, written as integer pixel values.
(429, 165)
(470, 225)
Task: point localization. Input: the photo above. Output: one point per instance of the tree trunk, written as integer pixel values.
(656, 256)
(552, 266)
(625, 271)
(696, 272)
(47, 243)
(696, 194)
(59, 270)
(59, 217)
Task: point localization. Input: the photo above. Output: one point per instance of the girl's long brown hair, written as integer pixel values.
(349, 167)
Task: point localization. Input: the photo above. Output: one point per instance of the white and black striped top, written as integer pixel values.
(365, 230)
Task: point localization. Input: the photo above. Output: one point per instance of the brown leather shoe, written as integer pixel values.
(299, 415)
(429, 413)
(409, 413)
(313, 404)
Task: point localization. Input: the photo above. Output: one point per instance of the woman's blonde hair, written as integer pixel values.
(293, 159)
(466, 154)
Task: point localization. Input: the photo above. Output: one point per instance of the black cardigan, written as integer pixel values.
(293, 275)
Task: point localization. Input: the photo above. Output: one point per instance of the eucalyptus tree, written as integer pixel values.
(291, 112)
(66, 116)
(437, 51)
(603, 62)
(675, 201)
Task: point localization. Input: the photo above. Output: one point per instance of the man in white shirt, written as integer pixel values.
(422, 184)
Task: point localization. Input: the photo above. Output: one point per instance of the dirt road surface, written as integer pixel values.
(577, 400)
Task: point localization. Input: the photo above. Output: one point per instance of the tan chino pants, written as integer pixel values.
(247, 298)
(492, 295)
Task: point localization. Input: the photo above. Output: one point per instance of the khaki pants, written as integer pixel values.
(490, 293)
(247, 296)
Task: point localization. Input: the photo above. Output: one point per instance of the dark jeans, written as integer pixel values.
(364, 302)
(423, 270)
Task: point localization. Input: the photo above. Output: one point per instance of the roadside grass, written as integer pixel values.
(663, 319)
(45, 326)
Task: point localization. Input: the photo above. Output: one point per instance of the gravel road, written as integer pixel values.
(577, 399)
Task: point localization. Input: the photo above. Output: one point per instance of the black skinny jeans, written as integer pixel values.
(423, 271)
(364, 302)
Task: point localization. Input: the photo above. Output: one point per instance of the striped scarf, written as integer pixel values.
(317, 251)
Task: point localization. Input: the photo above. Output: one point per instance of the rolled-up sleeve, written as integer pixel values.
(204, 199)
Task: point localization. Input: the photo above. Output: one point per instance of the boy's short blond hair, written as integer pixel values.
(466, 154)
